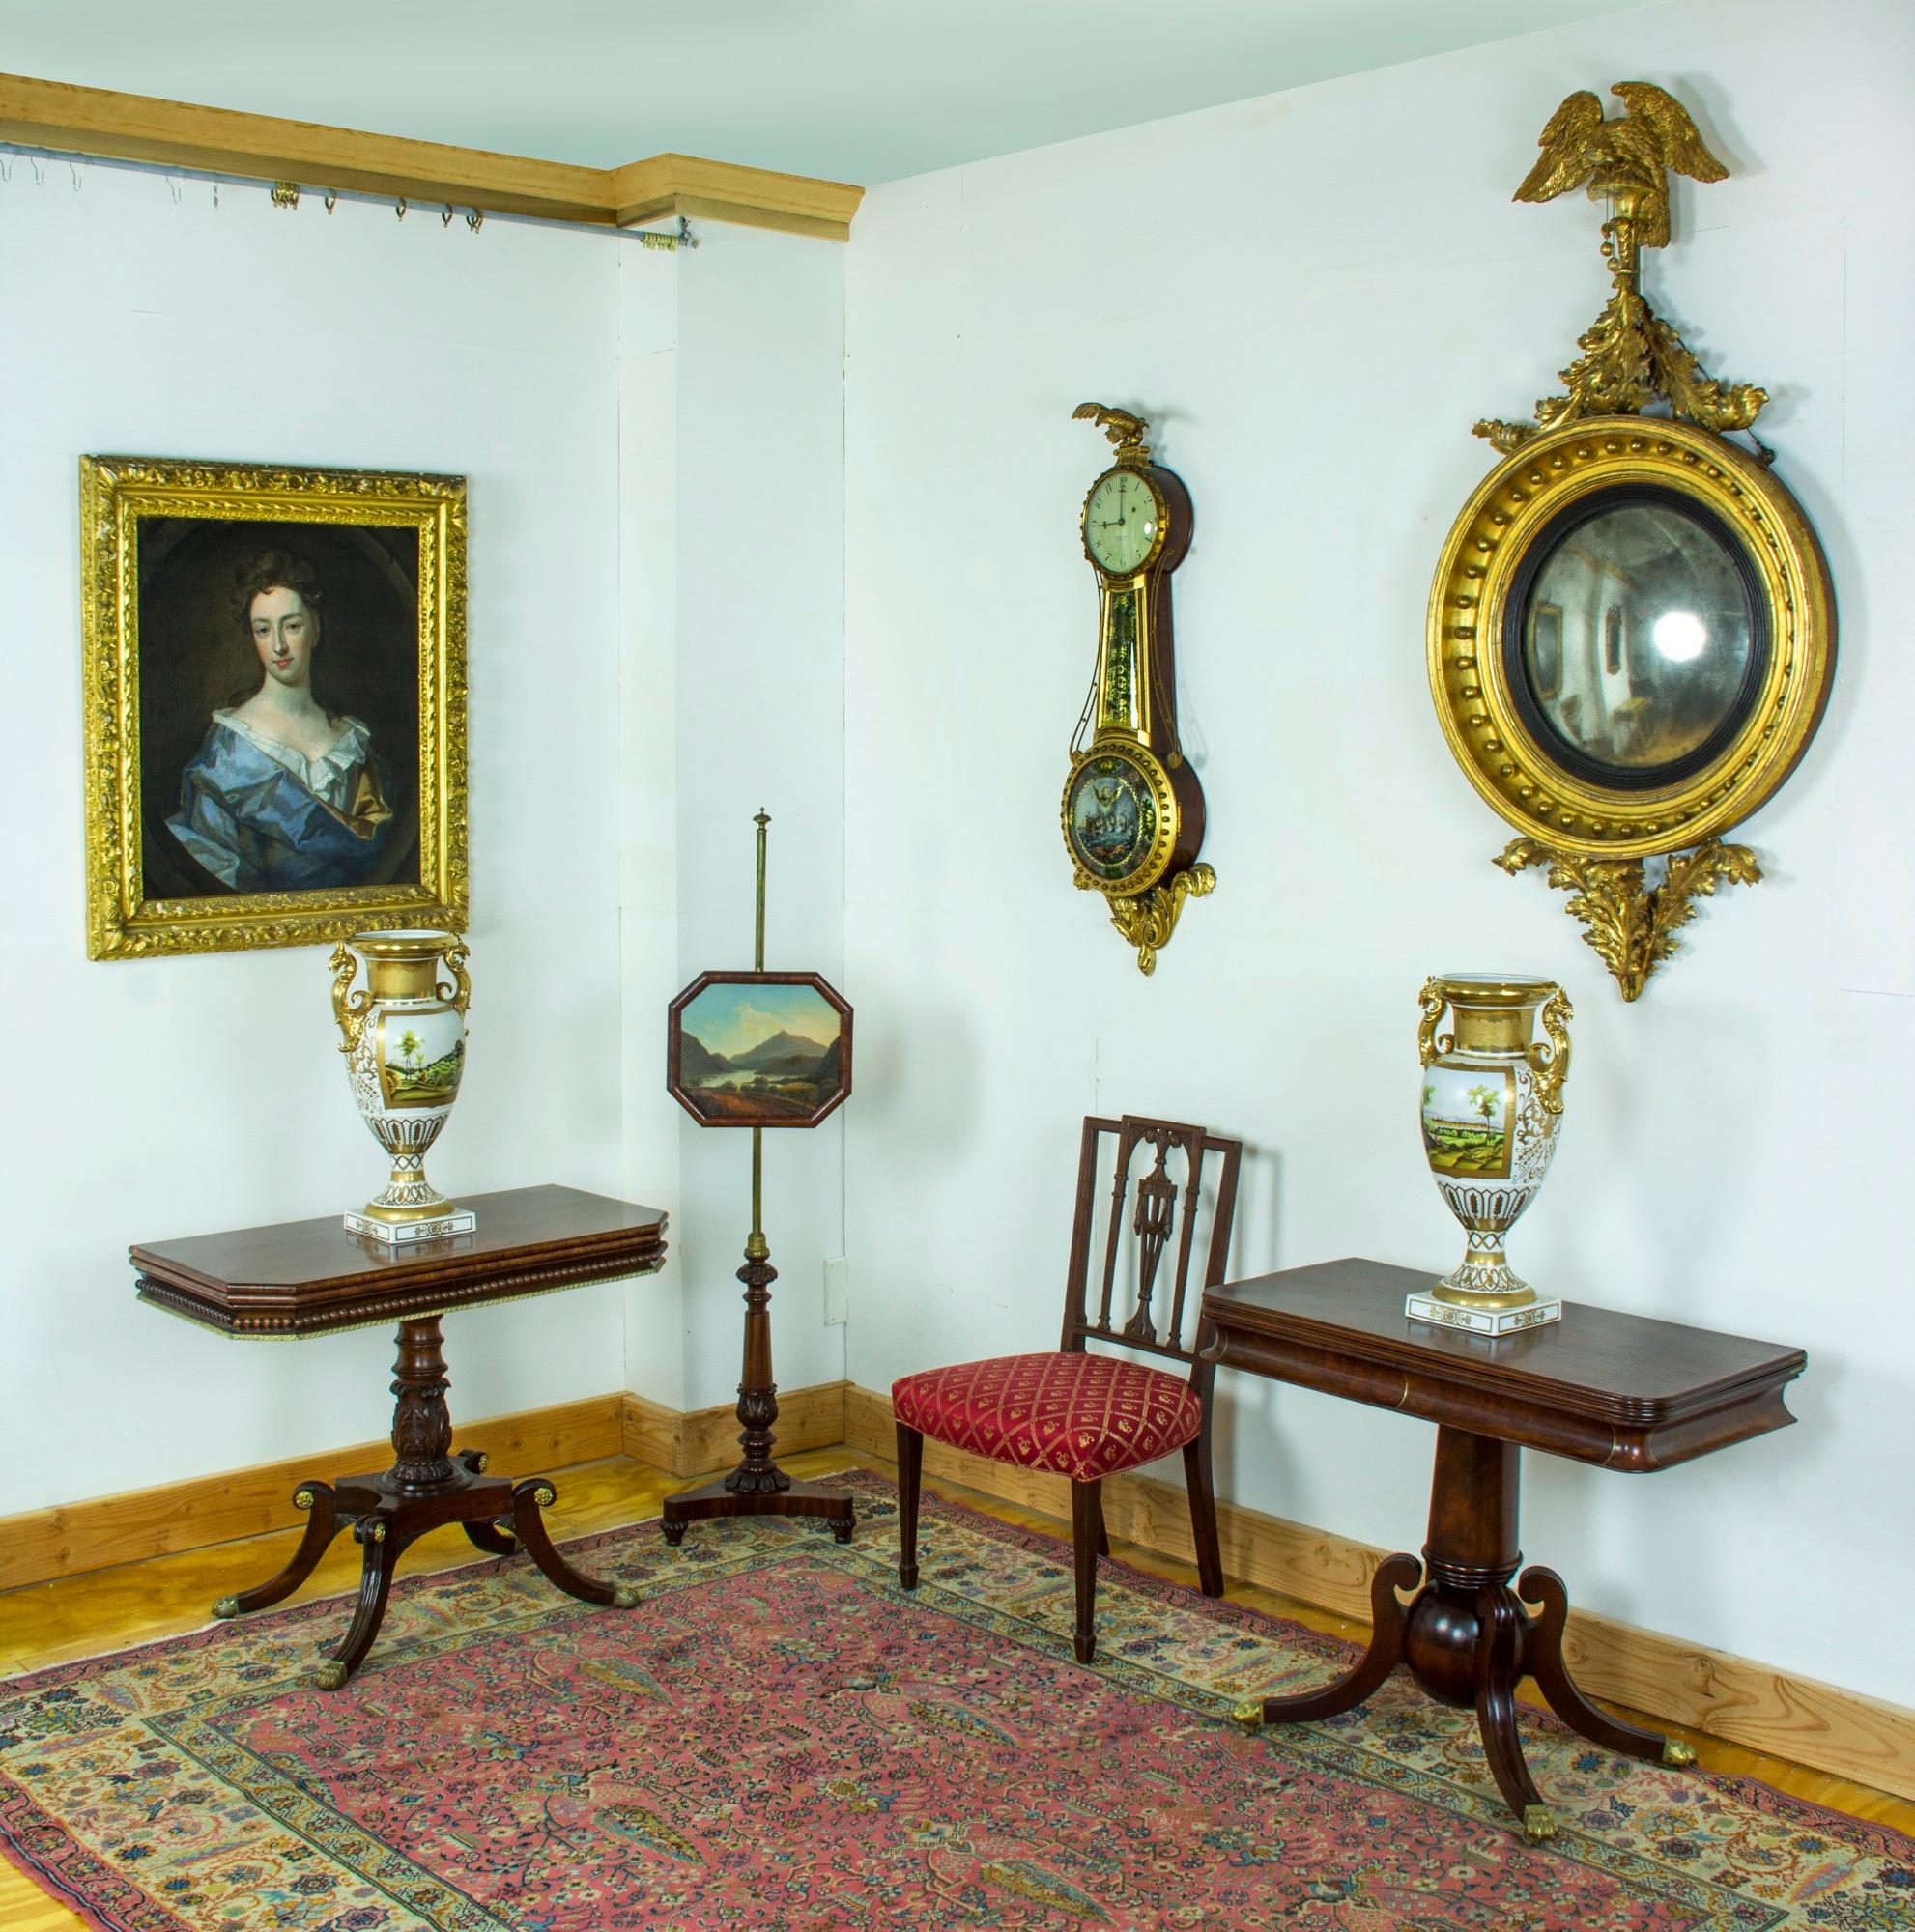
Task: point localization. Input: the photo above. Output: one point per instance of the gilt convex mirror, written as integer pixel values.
(1631, 632)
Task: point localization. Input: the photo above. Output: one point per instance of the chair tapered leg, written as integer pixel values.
(1104, 1533)
(1203, 1512)
(910, 1472)
(1086, 1514)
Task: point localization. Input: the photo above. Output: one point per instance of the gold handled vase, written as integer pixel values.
(1492, 1110)
(404, 1038)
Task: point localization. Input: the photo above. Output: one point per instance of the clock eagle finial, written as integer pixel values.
(1125, 431)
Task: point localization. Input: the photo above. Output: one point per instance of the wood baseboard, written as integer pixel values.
(695, 1443)
(40, 1545)
(1748, 1703)
(264, 147)
(1754, 1704)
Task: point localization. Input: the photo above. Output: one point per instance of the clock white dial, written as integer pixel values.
(1123, 522)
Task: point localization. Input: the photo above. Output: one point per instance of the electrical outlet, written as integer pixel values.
(837, 1290)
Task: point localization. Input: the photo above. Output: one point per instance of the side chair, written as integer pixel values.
(1085, 1416)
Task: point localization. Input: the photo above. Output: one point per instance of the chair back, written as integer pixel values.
(1138, 1301)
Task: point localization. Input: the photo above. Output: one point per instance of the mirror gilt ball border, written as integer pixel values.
(1516, 770)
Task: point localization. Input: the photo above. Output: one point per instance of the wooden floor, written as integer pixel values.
(110, 1610)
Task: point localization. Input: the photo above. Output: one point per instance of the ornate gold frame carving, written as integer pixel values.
(123, 923)
(1593, 837)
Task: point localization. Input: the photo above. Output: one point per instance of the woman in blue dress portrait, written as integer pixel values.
(285, 793)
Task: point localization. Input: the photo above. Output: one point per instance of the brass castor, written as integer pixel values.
(1677, 1755)
(623, 1597)
(328, 1676)
(226, 1607)
(1249, 1717)
(1538, 1823)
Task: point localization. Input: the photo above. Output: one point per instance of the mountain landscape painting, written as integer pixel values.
(759, 1051)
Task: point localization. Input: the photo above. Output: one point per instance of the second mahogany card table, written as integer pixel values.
(1622, 1391)
(312, 1278)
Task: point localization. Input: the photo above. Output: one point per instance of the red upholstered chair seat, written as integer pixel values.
(1077, 1415)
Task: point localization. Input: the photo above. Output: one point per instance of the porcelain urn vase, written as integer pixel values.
(404, 1038)
(1492, 1110)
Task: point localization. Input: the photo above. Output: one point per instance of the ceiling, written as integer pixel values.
(861, 91)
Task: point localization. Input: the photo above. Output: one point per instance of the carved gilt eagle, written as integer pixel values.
(1628, 156)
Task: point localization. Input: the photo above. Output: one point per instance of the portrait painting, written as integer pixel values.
(276, 751)
(758, 1050)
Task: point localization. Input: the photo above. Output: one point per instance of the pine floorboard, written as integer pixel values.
(141, 1602)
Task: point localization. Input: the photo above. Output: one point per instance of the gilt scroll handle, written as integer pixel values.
(349, 1008)
(1434, 1006)
(1549, 1057)
(458, 995)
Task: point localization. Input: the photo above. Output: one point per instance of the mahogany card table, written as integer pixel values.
(1622, 1391)
(312, 1278)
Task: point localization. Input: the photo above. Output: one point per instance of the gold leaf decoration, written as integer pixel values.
(1631, 926)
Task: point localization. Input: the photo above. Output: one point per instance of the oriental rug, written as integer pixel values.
(779, 1739)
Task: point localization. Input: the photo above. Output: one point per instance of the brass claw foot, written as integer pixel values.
(1249, 1717)
(1677, 1755)
(1538, 1823)
(623, 1597)
(328, 1676)
(226, 1607)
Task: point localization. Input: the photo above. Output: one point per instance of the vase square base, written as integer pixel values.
(401, 1233)
(1481, 1321)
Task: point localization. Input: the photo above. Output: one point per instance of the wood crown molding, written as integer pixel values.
(95, 121)
(1754, 1704)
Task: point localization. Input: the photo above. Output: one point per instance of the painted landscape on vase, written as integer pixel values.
(1465, 1121)
(754, 1054)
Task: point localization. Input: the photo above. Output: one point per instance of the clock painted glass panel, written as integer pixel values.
(1638, 636)
(1112, 817)
(1121, 521)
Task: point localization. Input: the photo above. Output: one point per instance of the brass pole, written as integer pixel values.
(762, 819)
(758, 1248)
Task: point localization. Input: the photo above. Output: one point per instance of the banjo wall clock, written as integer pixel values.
(1134, 811)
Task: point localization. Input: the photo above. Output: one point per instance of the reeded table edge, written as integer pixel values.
(1407, 1356)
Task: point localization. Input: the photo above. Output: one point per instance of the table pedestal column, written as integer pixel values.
(428, 1485)
(1467, 1637)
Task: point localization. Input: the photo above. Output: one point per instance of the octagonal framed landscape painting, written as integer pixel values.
(758, 1050)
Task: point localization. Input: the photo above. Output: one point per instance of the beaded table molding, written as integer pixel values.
(312, 1277)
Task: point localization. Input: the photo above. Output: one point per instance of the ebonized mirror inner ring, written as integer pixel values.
(1634, 509)
(1498, 725)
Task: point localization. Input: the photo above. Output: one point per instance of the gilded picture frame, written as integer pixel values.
(1488, 700)
(270, 763)
(1632, 632)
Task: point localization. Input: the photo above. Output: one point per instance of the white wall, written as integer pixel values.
(152, 1100)
(740, 357)
(1314, 296)
(654, 451)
